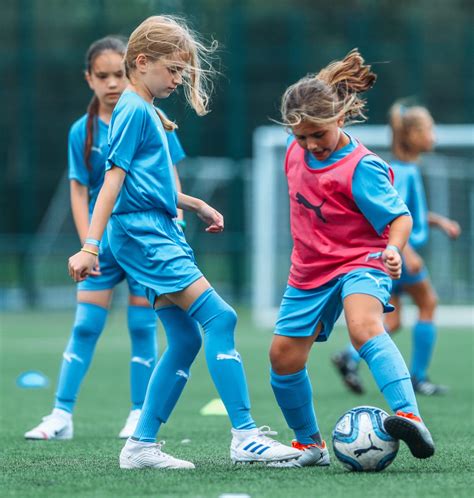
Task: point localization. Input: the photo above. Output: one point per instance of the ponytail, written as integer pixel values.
(91, 124)
(331, 94)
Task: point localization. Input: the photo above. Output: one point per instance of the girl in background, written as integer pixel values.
(412, 135)
(87, 153)
(139, 197)
(349, 228)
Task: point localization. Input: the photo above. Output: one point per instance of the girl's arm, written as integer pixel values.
(80, 208)
(208, 214)
(82, 263)
(450, 227)
(400, 229)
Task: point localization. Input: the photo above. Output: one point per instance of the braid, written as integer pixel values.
(92, 113)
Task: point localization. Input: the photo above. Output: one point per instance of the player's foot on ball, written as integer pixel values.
(348, 370)
(138, 455)
(130, 424)
(411, 429)
(255, 446)
(314, 455)
(428, 388)
(58, 425)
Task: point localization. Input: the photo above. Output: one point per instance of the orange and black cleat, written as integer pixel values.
(411, 429)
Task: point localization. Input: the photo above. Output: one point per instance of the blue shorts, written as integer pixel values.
(111, 274)
(408, 279)
(151, 247)
(302, 310)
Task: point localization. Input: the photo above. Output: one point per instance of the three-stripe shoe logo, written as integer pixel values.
(255, 447)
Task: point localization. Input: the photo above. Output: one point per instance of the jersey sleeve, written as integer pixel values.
(77, 168)
(289, 140)
(419, 211)
(375, 195)
(125, 135)
(176, 150)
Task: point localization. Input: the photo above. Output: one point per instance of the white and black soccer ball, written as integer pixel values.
(360, 441)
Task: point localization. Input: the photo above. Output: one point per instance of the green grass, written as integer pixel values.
(88, 465)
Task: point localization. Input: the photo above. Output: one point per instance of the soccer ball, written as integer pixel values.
(360, 441)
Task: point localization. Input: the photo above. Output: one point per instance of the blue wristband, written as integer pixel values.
(181, 223)
(92, 242)
(394, 248)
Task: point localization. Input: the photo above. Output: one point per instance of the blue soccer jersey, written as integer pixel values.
(372, 190)
(138, 145)
(409, 184)
(93, 177)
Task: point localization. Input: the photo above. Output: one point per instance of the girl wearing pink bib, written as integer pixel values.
(348, 226)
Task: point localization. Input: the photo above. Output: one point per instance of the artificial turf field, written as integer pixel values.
(88, 465)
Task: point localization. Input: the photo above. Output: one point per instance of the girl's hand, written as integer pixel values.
(95, 272)
(393, 262)
(413, 262)
(211, 217)
(81, 265)
(451, 228)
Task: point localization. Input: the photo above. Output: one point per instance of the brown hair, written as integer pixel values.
(115, 44)
(403, 118)
(329, 95)
(169, 38)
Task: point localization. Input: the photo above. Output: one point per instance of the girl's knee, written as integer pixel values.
(364, 328)
(284, 360)
(229, 317)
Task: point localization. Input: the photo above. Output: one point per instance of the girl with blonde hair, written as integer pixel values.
(140, 198)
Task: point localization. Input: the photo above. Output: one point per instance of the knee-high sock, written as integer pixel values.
(142, 330)
(88, 325)
(424, 339)
(390, 373)
(171, 372)
(294, 396)
(218, 320)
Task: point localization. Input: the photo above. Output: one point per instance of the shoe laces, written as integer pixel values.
(156, 449)
(263, 434)
(51, 420)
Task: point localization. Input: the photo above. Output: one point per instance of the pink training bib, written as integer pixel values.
(330, 234)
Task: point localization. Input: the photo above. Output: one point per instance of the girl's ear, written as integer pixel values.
(340, 122)
(88, 78)
(141, 62)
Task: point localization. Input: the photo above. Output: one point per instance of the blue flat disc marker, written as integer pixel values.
(32, 380)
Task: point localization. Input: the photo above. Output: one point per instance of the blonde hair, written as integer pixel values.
(329, 95)
(403, 118)
(169, 38)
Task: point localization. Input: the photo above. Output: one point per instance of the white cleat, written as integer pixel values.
(314, 455)
(255, 446)
(130, 424)
(58, 425)
(138, 455)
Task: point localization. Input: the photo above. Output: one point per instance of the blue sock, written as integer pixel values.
(88, 325)
(142, 330)
(390, 373)
(424, 339)
(294, 396)
(353, 354)
(171, 373)
(218, 320)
